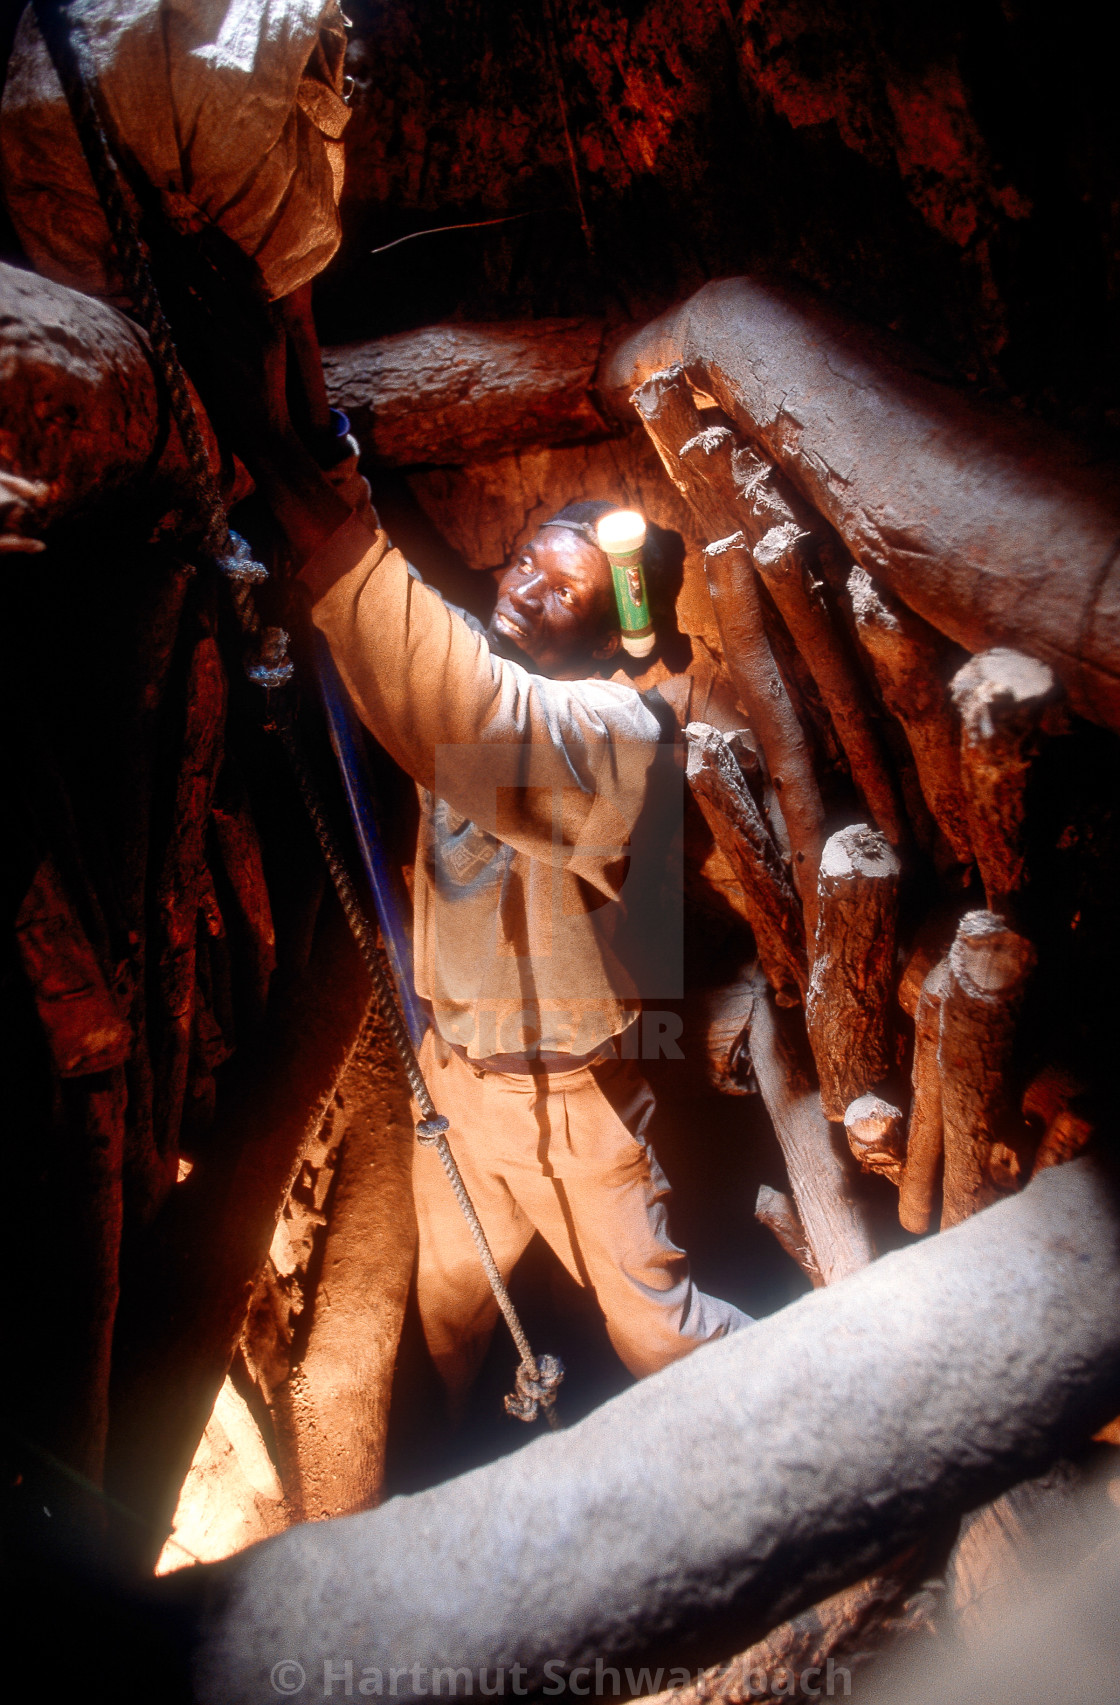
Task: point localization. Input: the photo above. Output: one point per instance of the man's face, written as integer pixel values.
(555, 606)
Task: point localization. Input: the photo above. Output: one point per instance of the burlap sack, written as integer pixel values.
(232, 108)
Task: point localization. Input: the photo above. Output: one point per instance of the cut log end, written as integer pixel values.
(988, 959)
(876, 1136)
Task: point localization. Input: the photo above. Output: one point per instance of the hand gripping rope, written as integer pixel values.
(268, 664)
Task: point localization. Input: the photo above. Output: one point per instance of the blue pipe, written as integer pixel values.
(348, 740)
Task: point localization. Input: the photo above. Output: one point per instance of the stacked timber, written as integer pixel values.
(892, 923)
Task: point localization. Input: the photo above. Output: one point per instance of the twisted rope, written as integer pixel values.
(269, 667)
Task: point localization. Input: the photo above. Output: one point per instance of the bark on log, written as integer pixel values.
(784, 559)
(1002, 698)
(849, 1010)
(921, 1173)
(82, 419)
(875, 1135)
(671, 419)
(995, 529)
(988, 970)
(763, 696)
(768, 900)
(459, 392)
(676, 1523)
(908, 658)
(775, 1210)
(822, 1175)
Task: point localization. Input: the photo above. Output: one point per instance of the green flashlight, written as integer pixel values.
(621, 537)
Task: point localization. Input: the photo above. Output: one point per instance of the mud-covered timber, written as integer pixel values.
(446, 392)
(669, 1525)
(997, 530)
(82, 419)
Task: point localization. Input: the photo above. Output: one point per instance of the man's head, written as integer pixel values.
(555, 609)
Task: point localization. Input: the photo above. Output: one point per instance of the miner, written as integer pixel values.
(546, 824)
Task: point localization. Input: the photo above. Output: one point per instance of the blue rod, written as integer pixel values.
(347, 738)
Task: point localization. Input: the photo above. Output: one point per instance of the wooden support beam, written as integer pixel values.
(822, 1175)
(769, 904)
(989, 965)
(762, 693)
(921, 1173)
(908, 658)
(670, 417)
(849, 1010)
(732, 1491)
(997, 529)
(1002, 698)
(784, 557)
(460, 392)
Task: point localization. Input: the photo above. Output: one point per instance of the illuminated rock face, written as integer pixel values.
(943, 173)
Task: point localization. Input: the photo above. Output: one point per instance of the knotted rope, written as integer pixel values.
(268, 664)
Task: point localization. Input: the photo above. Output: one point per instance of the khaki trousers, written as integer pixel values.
(565, 1154)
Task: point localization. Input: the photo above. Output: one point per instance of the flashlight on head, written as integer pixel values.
(622, 535)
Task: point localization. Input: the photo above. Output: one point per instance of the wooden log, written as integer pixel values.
(784, 557)
(876, 1136)
(732, 1491)
(1056, 1098)
(995, 528)
(908, 658)
(921, 1173)
(769, 903)
(670, 417)
(988, 970)
(82, 419)
(1002, 698)
(848, 1012)
(822, 1175)
(775, 1210)
(457, 393)
(763, 696)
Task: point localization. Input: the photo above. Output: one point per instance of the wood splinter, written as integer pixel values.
(1003, 699)
(989, 965)
(775, 1210)
(876, 1136)
(921, 1173)
(849, 1009)
(769, 904)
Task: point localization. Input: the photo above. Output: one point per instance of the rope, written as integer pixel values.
(537, 1380)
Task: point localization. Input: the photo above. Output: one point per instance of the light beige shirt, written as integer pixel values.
(530, 888)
